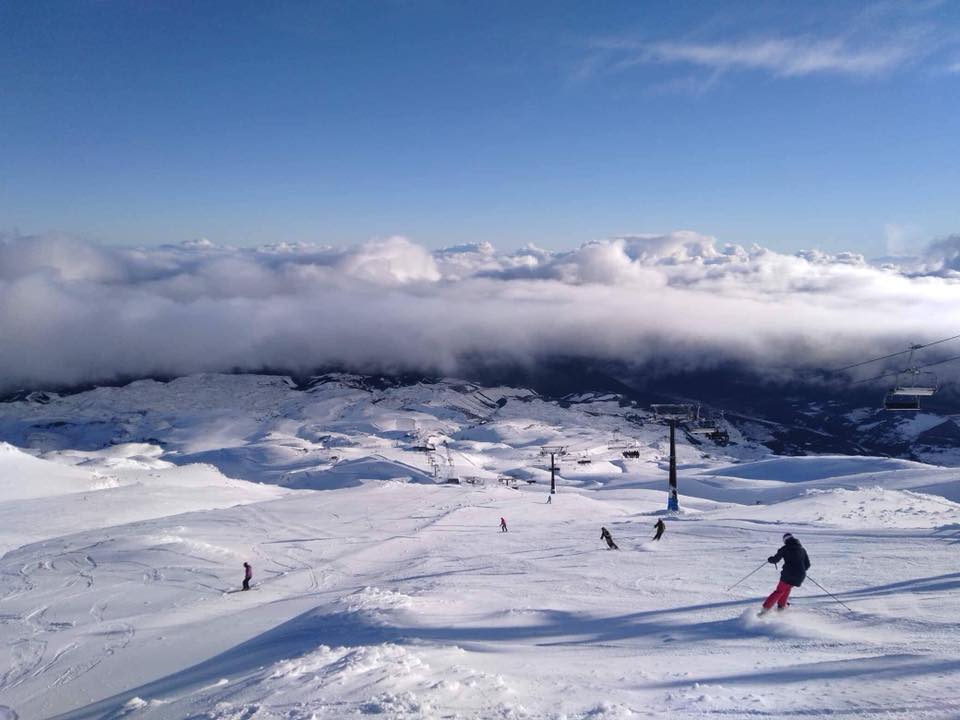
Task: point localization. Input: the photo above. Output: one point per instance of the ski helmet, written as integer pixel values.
(787, 536)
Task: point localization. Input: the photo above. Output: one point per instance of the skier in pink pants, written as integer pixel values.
(795, 566)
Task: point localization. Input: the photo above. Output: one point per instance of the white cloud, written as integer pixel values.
(781, 56)
(902, 238)
(393, 260)
(72, 312)
(875, 41)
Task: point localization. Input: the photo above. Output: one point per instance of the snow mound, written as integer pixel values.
(24, 476)
(328, 683)
(806, 469)
(872, 507)
(374, 599)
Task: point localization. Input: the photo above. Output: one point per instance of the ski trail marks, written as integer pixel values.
(118, 635)
(25, 657)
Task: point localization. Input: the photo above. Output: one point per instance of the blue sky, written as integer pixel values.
(832, 126)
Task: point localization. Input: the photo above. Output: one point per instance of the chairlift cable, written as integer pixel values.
(911, 349)
(867, 362)
(936, 342)
(938, 362)
(899, 372)
(875, 379)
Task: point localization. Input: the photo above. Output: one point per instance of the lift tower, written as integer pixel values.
(672, 415)
(553, 451)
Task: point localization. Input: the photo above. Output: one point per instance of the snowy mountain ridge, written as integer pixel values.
(248, 408)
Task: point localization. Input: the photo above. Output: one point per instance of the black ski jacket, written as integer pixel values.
(795, 562)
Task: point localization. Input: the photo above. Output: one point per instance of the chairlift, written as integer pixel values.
(674, 411)
(703, 424)
(712, 432)
(912, 384)
(720, 436)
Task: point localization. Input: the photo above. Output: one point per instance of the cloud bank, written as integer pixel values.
(73, 312)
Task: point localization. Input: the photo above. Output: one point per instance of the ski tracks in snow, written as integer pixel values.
(413, 604)
(66, 576)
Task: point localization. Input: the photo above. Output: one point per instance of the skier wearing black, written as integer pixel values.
(247, 575)
(605, 535)
(795, 566)
(659, 527)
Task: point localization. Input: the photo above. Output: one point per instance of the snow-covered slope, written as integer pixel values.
(24, 476)
(382, 590)
(77, 491)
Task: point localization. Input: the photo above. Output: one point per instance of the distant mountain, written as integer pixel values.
(786, 418)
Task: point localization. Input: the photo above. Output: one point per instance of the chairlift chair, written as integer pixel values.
(916, 384)
(705, 429)
(912, 384)
(674, 411)
(701, 423)
(720, 436)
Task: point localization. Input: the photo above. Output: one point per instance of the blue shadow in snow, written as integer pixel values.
(306, 632)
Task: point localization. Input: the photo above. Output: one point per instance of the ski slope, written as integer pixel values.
(381, 591)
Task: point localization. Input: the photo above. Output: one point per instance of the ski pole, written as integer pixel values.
(746, 576)
(830, 594)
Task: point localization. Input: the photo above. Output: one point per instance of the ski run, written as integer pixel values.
(379, 589)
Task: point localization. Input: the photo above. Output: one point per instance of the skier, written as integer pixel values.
(795, 566)
(503, 525)
(659, 527)
(605, 535)
(549, 499)
(247, 575)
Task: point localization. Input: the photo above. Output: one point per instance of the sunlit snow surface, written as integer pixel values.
(378, 592)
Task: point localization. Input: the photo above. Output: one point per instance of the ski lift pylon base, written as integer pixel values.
(673, 504)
